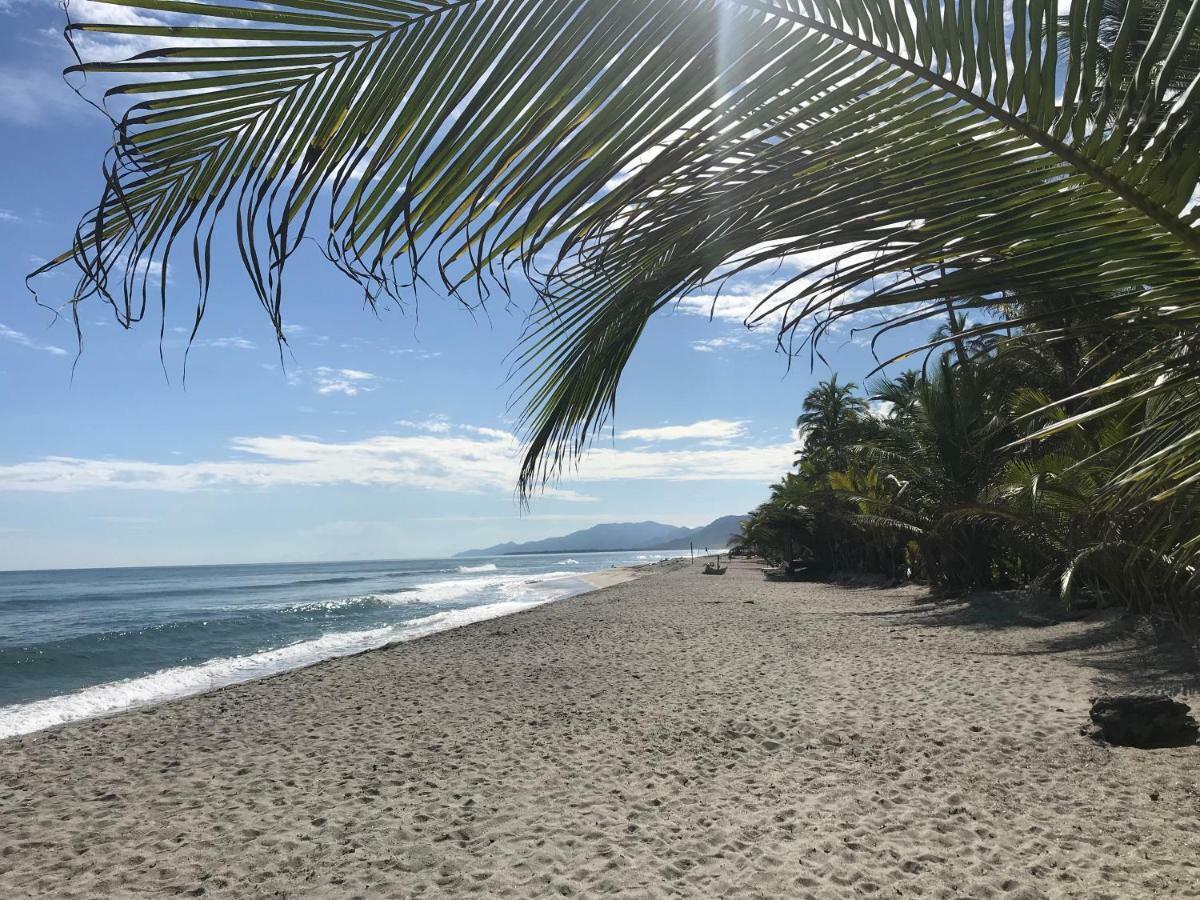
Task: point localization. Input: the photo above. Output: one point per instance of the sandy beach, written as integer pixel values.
(673, 735)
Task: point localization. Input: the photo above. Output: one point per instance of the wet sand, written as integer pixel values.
(671, 736)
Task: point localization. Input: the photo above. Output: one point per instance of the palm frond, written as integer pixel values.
(918, 151)
(887, 523)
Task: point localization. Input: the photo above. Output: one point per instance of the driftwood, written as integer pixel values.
(1146, 722)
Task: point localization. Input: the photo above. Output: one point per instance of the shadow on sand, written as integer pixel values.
(1131, 653)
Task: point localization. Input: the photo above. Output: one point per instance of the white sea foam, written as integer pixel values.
(457, 589)
(185, 681)
(396, 598)
(568, 562)
(486, 567)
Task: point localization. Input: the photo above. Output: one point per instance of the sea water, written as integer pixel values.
(88, 642)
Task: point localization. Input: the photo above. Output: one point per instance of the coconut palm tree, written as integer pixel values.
(941, 456)
(778, 531)
(898, 395)
(831, 421)
(624, 154)
(1142, 555)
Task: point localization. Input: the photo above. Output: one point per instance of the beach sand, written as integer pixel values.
(616, 575)
(674, 735)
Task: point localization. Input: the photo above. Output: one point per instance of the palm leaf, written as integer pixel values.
(887, 524)
(921, 149)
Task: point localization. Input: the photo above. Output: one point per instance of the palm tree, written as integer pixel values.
(831, 421)
(899, 395)
(908, 152)
(1143, 555)
(939, 457)
(942, 488)
(778, 532)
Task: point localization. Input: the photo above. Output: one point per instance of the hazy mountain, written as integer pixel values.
(714, 535)
(622, 536)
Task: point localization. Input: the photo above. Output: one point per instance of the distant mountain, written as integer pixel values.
(714, 535)
(622, 536)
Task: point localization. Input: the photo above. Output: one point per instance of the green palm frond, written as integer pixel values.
(1030, 402)
(1108, 556)
(1057, 481)
(887, 524)
(1031, 532)
(915, 151)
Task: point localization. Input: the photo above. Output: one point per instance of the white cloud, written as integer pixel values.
(736, 303)
(486, 432)
(230, 343)
(94, 46)
(707, 429)
(761, 464)
(750, 294)
(553, 493)
(730, 342)
(463, 460)
(7, 215)
(19, 337)
(29, 96)
(434, 424)
(307, 335)
(149, 269)
(325, 380)
(416, 354)
(350, 382)
(34, 92)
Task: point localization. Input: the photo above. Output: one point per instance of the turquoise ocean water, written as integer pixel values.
(87, 642)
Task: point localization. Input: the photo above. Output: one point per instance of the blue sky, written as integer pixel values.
(384, 436)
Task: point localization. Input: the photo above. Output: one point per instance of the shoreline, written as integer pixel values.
(197, 681)
(675, 734)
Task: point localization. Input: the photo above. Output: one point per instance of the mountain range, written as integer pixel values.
(624, 536)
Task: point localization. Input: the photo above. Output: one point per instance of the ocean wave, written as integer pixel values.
(486, 567)
(186, 681)
(374, 599)
(191, 636)
(182, 681)
(457, 590)
(568, 562)
(127, 593)
(186, 635)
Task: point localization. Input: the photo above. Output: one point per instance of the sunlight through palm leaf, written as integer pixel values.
(624, 154)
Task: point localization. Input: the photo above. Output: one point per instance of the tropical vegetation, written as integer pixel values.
(1032, 163)
(929, 476)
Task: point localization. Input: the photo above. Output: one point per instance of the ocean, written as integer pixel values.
(88, 642)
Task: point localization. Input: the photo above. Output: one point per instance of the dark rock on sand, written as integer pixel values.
(1146, 722)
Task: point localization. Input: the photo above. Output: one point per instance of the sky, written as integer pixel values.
(382, 435)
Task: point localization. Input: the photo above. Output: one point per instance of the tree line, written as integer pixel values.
(999, 463)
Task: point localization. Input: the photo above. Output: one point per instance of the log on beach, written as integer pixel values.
(1145, 722)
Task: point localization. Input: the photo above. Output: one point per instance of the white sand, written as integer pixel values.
(616, 575)
(663, 737)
